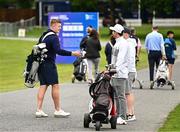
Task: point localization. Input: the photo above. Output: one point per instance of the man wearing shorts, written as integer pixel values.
(132, 74)
(170, 46)
(120, 55)
(47, 71)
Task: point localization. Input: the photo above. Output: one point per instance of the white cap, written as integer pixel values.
(117, 28)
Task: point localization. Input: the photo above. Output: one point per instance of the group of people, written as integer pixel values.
(123, 59)
(122, 52)
(159, 48)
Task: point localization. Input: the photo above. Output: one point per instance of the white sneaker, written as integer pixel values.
(131, 118)
(120, 121)
(40, 114)
(61, 113)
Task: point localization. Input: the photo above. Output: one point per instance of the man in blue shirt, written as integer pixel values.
(170, 46)
(47, 71)
(154, 45)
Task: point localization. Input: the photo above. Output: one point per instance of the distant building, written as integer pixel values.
(43, 7)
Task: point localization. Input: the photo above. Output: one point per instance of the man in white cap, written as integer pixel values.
(120, 56)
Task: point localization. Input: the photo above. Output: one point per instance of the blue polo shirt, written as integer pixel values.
(154, 41)
(53, 46)
(170, 46)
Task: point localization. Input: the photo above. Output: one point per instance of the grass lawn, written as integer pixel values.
(172, 123)
(12, 61)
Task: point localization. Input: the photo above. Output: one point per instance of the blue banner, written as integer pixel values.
(73, 30)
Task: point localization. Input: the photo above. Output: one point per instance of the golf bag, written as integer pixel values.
(102, 107)
(102, 94)
(80, 68)
(162, 76)
(33, 61)
(162, 73)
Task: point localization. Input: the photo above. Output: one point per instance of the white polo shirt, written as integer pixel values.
(120, 56)
(132, 59)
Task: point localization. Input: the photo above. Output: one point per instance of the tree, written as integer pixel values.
(84, 5)
(17, 3)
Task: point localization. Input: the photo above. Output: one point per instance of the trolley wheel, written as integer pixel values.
(152, 85)
(98, 125)
(73, 79)
(87, 120)
(113, 122)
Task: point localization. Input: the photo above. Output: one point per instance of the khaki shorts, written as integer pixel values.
(121, 83)
(131, 77)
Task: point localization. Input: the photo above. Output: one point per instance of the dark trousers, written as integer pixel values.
(154, 57)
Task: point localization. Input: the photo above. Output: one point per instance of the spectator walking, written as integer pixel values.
(108, 49)
(119, 81)
(48, 72)
(92, 49)
(131, 75)
(170, 47)
(154, 45)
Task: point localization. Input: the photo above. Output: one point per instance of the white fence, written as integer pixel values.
(129, 22)
(133, 22)
(166, 22)
(11, 29)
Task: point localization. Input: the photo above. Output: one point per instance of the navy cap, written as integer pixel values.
(127, 30)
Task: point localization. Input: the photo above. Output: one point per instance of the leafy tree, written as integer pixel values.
(84, 5)
(25, 3)
(16, 3)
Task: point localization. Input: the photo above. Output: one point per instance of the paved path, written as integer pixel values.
(152, 107)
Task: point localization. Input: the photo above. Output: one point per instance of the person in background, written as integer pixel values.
(47, 71)
(170, 47)
(119, 81)
(154, 45)
(108, 49)
(138, 47)
(84, 39)
(92, 55)
(83, 44)
(131, 75)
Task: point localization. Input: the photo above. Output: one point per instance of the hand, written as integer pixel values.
(76, 53)
(164, 57)
(106, 72)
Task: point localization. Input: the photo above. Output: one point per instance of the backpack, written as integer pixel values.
(33, 61)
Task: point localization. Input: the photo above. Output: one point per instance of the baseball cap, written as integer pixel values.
(127, 30)
(117, 28)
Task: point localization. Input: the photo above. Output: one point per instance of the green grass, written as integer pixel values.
(36, 32)
(12, 62)
(172, 122)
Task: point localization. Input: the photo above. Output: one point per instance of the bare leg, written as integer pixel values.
(56, 96)
(170, 66)
(40, 96)
(130, 103)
